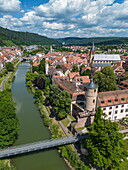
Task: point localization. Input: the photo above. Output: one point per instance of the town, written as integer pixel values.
(85, 79)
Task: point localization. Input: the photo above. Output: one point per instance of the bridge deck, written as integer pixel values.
(26, 148)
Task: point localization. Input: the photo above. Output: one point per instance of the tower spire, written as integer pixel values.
(93, 46)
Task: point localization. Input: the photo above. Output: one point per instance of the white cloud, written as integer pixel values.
(9, 5)
(9, 22)
(82, 18)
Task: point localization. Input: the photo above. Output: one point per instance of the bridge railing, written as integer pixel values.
(38, 142)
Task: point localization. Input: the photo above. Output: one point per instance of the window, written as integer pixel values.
(102, 101)
(122, 111)
(116, 112)
(110, 107)
(93, 101)
(116, 100)
(122, 105)
(109, 101)
(94, 90)
(115, 117)
(110, 113)
(104, 108)
(122, 99)
(116, 106)
(126, 110)
(127, 115)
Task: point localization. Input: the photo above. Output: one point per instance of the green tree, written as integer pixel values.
(75, 68)
(105, 79)
(58, 67)
(38, 93)
(31, 76)
(42, 66)
(35, 69)
(9, 124)
(104, 143)
(9, 66)
(53, 97)
(5, 165)
(29, 84)
(64, 104)
(86, 73)
(60, 101)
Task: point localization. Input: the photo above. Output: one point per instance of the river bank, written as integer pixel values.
(56, 128)
(7, 80)
(5, 84)
(32, 128)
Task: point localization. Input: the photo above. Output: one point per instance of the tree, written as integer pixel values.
(104, 143)
(75, 68)
(86, 73)
(58, 67)
(31, 76)
(42, 66)
(9, 66)
(64, 104)
(38, 93)
(9, 124)
(39, 82)
(35, 69)
(60, 101)
(29, 84)
(5, 165)
(53, 97)
(105, 79)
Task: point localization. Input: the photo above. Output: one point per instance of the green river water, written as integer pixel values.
(32, 128)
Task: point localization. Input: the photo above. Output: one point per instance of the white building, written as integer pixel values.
(114, 104)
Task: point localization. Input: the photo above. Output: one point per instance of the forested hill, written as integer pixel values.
(97, 40)
(12, 38)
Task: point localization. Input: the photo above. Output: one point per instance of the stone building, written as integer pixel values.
(113, 103)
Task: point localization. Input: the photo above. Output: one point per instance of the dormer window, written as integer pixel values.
(116, 100)
(109, 101)
(102, 101)
(122, 99)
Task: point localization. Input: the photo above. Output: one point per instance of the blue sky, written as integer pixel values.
(66, 18)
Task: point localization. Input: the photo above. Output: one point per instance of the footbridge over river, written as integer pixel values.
(41, 145)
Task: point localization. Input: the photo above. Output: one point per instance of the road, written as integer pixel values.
(4, 81)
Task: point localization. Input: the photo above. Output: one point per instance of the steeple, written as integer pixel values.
(51, 49)
(92, 85)
(92, 52)
(93, 46)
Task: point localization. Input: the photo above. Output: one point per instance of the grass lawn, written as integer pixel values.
(71, 117)
(65, 122)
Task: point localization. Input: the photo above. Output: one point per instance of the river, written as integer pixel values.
(32, 128)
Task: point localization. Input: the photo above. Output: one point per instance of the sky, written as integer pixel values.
(66, 18)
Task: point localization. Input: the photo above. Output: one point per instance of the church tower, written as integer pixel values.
(51, 49)
(92, 52)
(91, 96)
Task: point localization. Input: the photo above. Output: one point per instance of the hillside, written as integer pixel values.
(13, 38)
(97, 40)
